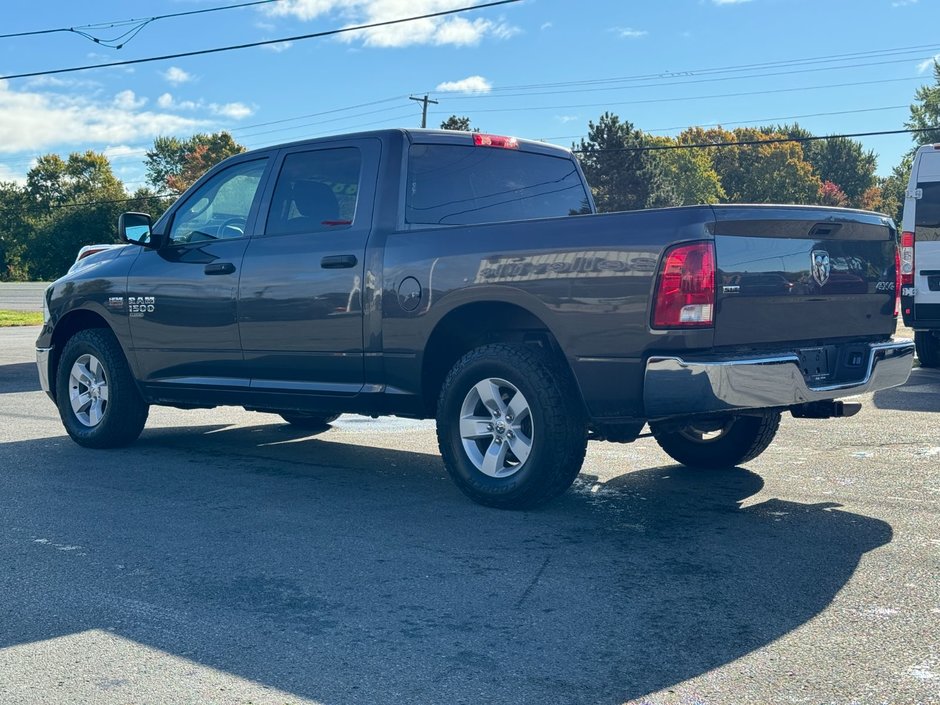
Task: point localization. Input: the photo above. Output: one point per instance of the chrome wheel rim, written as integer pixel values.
(88, 390)
(496, 427)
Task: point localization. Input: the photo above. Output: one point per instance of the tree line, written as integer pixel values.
(67, 203)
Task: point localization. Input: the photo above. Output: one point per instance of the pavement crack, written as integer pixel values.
(532, 583)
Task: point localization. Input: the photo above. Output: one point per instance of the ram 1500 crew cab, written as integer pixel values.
(467, 278)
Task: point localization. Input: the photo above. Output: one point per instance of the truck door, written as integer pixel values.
(300, 297)
(182, 297)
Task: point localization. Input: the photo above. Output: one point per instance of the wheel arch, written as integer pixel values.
(67, 326)
(471, 324)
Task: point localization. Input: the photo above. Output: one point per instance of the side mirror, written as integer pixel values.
(134, 228)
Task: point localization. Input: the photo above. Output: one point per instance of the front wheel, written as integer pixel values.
(720, 443)
(99, 403)
(510, 426)
(927, 344)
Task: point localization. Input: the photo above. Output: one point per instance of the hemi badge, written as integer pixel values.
(116, 302)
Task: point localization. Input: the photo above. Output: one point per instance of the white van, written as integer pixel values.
(920, 255)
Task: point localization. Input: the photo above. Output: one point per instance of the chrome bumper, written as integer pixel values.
(677, 387)
(42, 362)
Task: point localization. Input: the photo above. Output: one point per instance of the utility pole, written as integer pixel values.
(424, 108)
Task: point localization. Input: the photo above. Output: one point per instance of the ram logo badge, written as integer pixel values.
(137, 306)
(820, 266)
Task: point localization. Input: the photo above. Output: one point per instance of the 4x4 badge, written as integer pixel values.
(820, 266)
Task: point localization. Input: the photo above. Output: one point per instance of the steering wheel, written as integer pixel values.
(236, 225)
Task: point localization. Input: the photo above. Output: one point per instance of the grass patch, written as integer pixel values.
(20, 318)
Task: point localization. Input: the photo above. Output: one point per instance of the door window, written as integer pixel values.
(316, 192)
(219, 209)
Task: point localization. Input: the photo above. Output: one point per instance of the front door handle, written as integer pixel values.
(220, 268)
(338, 262)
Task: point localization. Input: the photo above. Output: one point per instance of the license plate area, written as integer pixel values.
(816, 363)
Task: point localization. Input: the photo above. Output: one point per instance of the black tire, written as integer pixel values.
(121, 417)
(738, 440)
(552, 423)
(927, 344)
(309, 422)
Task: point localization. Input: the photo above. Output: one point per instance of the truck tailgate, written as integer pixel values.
(801, 274)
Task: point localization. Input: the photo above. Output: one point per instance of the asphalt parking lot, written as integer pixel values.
(226, 558)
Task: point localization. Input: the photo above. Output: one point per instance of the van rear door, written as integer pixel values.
(922, 217)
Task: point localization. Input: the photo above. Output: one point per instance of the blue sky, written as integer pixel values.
(537, 69)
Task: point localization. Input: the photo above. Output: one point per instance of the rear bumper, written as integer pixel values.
(674, 386)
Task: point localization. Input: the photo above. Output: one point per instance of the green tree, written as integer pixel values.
(461, 123)
(840, 160)
(622, 175)
(175, 164)
(688, 173)
(925, 111)
(15, 228)
(72, 203)
(762, 170)
(893, 187)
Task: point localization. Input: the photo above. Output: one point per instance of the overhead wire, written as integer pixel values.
(265, 42)
(136, 25)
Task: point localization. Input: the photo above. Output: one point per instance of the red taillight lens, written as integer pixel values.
(481, 140)
(897, 282)
(906, 258)
(685, 290)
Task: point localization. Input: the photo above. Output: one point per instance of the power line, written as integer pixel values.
(709, 71)
(266, 42)
(136, 25)
(752, 143)
(643, 148)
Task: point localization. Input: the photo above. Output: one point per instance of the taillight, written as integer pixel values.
(481, 140)
(907, 259)
(897, 282)
(685, 288)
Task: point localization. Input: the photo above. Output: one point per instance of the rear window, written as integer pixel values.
(927, 213)
(457, 185)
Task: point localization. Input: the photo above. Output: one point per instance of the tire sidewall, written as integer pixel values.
(462, 469)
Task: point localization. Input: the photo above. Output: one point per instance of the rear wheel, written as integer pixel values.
(510, 426)
(99, 403)
(927, 344)
(309, 422)
(718, 443)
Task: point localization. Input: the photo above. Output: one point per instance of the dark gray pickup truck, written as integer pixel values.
(466, 278)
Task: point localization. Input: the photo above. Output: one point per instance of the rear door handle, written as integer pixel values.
(338, 262)
(220, 268)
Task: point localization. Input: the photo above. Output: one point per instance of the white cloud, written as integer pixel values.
(177, 76)
(471, 84)
(925, 66)
(565, 119)
(546, 25)
(450, 30)
(127, 100)
(235, 111)
(903, 3)
(36, 121)
(123, 151)
(8, 174)
(168, 102)
(730, 2)
(630, 33)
